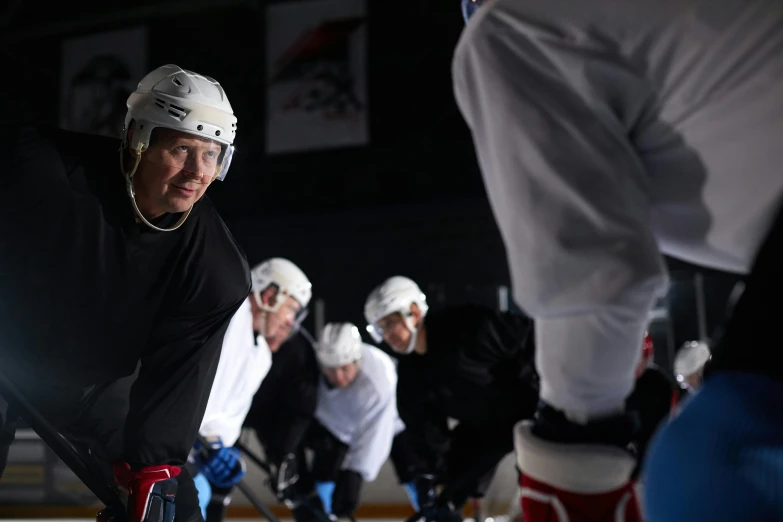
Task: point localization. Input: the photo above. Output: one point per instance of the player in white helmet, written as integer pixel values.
(355, 418)
(279, 297)
(394, 312)
(689, 364)
(468, 363)
(610, 134)
(102, 238)
(281, 414)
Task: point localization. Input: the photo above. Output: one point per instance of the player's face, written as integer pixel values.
(395, 332)
(342, 376)
(694, 380)
(174, 172)
(280, 323)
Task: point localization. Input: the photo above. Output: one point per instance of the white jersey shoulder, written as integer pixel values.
(364, 415)
(244, 362)
(380, 370)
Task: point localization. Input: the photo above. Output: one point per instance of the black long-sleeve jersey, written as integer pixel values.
(86, 292)
(479, 370)
(284, 405)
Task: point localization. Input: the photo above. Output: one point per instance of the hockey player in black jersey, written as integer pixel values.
(285, 415)
(112, 257)
(281, 416)
(468, 363)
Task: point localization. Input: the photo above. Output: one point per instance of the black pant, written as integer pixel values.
(748, 341)
(474, 455)
(403, 458)
(92, 419)
(218, 503)
(329, 452)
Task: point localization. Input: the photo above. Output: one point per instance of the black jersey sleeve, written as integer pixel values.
(178, 366)
(482, 339)
(284, 405)
(426, 424)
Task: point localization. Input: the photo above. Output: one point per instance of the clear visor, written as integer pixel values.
(299, 318)
(202, 159)
(375, 332)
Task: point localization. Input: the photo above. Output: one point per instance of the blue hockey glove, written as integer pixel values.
(222, 466)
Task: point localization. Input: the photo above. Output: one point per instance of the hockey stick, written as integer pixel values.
(84, 467)
(317, 512)
(242, 485)
(252, 456)
(307, 335)
(260, 506)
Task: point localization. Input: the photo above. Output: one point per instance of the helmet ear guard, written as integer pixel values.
(286, 277)
(275, 306)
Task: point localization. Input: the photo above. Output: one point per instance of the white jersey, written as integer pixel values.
(244, 362)
(608, 132)
(364, 415)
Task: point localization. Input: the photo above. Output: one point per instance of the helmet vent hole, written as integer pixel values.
(176, 81)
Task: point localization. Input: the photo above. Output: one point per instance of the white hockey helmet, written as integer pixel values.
(286, 277)
(690, 359)
(340, 344)
(395, 295)
(181, 100)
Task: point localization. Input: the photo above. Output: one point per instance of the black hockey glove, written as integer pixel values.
(284, 477)
(426, 492)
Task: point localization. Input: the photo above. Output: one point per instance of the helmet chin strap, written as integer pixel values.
(264, 313)
(132, 194)
(412, 344)
(262, 326)
(414, 334)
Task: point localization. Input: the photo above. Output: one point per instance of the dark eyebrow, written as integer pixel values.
(186, 140)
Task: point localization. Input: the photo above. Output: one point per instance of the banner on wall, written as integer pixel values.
(316, 75)
(97, 75)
